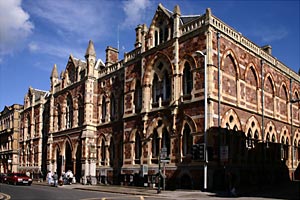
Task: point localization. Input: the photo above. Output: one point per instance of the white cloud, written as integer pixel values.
(270, 34)
(85, 19)
(15, 26)
(33, 46)
(134, 10)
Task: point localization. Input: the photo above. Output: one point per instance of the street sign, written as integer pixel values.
(163, 153)
(201, 150)
(198, 151)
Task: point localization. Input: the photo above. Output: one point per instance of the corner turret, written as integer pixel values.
(90, 57)
(54, 78)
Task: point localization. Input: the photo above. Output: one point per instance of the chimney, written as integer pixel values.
(138, 35)
(112, 55)
(267, 49)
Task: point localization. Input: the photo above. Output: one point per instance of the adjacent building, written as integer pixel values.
(190, 80)
(9, 138)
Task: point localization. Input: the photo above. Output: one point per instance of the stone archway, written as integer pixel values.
(68, 157)
(78, 174)
(58, 162)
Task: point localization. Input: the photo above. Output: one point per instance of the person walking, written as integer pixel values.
(49, 177)
(41, 176)
(55, 179)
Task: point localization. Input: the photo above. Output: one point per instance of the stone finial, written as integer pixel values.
(90, 51)
(54, 73)
(177, 10)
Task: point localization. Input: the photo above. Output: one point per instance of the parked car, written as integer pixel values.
(18, 178)
(3, 177)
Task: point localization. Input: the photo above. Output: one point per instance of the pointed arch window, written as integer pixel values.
(80, 112)
(156, 38)
(58, 117)
(187, 83)
(138, 148)
(103, 109)
(103, 152)
(138, 96)
(284, 148)
(155, 144)
(166, 141)
(28, 127)
(294, 151)
(155, 89)
(112, 107)
(69, 112)
(166, 86)
(187, 140)
(111, 152)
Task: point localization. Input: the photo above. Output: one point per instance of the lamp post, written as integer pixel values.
(205, 118)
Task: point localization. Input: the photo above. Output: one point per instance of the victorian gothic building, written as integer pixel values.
(189, 80)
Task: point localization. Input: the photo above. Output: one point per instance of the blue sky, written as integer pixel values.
(36, 34)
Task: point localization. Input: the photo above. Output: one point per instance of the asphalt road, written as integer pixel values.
(41, 192)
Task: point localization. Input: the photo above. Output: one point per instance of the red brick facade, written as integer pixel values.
(111, 120)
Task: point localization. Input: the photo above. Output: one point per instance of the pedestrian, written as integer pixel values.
(49, 177)
(231, 184)
(41, 176)
(55, 179)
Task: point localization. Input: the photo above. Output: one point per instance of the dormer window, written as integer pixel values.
(161, 33)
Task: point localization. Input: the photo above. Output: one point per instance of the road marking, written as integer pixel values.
(6, 196)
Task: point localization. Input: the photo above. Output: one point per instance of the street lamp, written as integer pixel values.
(205, 117)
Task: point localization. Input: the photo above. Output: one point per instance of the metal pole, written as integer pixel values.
(205, 122)
(159, 172)
(205, 118)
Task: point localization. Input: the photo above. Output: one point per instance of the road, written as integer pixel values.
(39, 192)
(86, 192)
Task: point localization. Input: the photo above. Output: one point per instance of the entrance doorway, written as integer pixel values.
(58, 162)
(78, 174)
(68, 154)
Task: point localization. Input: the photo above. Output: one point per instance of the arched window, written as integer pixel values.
(155, 89)
(138, 148)
(166, 141)
(112, 107)
(28, 127)
(111, 152)
(284, 148)
(155, 144)
(187, 140)
(187, 83)
(138, 96)
(69, 112)
(166, 86)
(103, 109)
(103, 152)
(58, 117)
(156, 38)
(80, 112)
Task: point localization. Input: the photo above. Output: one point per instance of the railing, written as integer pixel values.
(193, 25)
(110, 69)
(230, 32)
(132, 55)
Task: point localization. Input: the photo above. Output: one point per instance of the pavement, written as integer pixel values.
(290, 190)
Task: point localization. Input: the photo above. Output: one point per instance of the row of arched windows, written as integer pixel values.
(162, 87)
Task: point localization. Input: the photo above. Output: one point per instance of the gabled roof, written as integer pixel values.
(37, 93)
(188, 18)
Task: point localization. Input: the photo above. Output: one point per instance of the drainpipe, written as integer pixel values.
(262, 100)
(219, 98)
